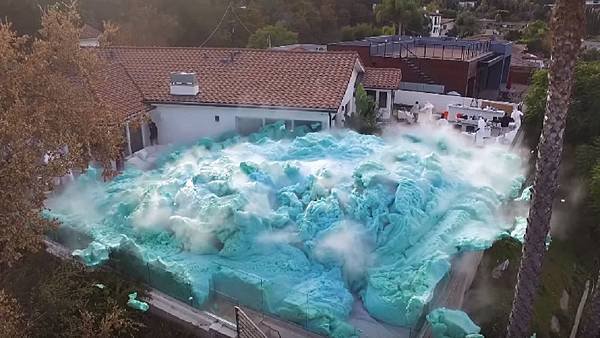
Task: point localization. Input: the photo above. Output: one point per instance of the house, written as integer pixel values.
(494, 27)
(436, 24)
(467, 4)
(438, 65)
(381, 84)
(190, 93)
(89, 36)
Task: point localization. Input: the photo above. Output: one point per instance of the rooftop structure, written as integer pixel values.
(428, 48)
(441, 65)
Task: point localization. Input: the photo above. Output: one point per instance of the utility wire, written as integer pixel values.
(218, 25)
(240, 20)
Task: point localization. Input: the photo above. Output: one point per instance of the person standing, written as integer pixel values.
(415, 112)
(153, 133)
(505, 123)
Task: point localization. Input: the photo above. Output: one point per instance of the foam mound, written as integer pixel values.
(298, 225)
(447, 323)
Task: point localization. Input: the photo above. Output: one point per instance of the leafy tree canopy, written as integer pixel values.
(584, 116)
(465, 25)
(272, 36)
(537, 38)
(363, 30)
(50, 122)
(407, 14)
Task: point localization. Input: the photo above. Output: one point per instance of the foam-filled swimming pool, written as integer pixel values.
(299, 226)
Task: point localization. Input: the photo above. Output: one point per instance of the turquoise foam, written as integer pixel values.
(446, 323)
(298, 224)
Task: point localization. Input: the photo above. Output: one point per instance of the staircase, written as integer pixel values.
(414, 67)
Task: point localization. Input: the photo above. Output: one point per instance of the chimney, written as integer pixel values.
(185, 84)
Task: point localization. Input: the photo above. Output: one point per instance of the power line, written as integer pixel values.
(240, 20)
(218, 25)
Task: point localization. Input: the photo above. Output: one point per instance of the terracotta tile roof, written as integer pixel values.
(89, 32)
(382, 78)
(113, 86)
(243, 77)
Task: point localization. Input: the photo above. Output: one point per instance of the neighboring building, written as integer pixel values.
(302, 47)
(467, 4)
(447, 26)
(190, 93)
(522, 67)
(381, 84)
(436, 24)
(590, 3)
(493, 27)
(89, 36)
(438, 65)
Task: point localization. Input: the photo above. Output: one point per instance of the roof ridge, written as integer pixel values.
(228, 48)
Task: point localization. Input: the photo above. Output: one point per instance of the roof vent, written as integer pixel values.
(184, 84)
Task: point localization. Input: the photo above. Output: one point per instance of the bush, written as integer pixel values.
(364, 120)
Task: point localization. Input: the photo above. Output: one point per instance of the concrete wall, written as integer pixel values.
(180, 124)
(440, 102)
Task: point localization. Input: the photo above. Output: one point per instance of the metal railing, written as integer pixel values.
(245, 326)
(429, 48)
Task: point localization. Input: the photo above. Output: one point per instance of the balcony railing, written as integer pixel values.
(428, 48)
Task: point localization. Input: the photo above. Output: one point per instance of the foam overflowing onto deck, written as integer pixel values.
(298, 227)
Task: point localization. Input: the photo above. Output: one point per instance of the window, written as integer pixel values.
(383, 99)
(371, 94)
(288, 123)
(310, 125)
(217, 118)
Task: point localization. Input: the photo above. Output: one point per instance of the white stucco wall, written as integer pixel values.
(349, 96)
(440, 102)
(180, 124)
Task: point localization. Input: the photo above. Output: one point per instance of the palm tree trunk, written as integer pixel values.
(567, 31)
(591, 326)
